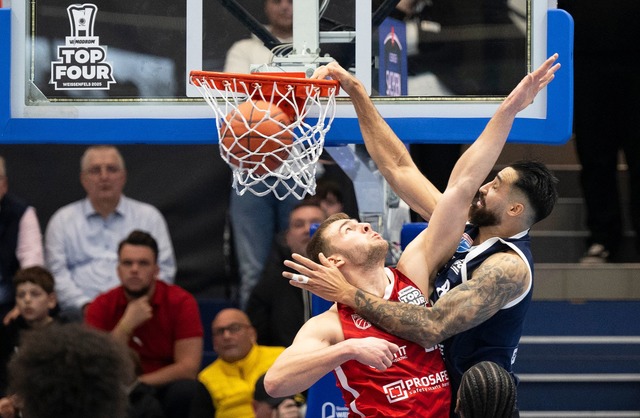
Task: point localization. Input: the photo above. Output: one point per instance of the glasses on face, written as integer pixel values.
(96, 170)
(233, 329)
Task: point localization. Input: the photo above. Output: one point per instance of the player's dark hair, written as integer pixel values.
(318, 243)
(487, 390)
(141, 238)
(539, 185)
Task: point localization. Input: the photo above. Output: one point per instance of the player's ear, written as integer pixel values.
(516, 209)
(336, 259)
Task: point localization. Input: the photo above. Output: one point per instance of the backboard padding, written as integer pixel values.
(191, 123)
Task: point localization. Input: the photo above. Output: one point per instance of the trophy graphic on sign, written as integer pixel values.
(82, 17)
(81, 63)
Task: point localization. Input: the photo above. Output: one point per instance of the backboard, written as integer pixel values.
(118, 72)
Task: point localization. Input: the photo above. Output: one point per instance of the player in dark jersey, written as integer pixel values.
(354, 250)
(503, 210)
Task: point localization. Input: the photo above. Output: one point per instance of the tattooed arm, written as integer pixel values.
(500, 279)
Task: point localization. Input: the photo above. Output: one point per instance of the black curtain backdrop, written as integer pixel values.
(189, 184)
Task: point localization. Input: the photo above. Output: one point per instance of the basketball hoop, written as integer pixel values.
(288, 167)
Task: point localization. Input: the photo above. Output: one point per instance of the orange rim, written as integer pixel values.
(266, 81)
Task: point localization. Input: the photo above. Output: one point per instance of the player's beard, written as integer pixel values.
(481, 216)
(371, 255)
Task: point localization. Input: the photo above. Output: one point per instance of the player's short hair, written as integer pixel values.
(539, 185)
(319, 243)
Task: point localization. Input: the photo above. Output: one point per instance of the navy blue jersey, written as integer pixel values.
(497, 338)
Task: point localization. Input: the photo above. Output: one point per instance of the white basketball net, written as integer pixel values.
(297, 173)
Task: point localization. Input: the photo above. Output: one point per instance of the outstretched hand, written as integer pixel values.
(324, 280)
(529, 87)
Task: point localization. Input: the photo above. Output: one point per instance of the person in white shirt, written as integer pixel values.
(246, 52)
(81, 238)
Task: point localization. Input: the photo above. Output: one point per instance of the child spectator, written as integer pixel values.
(35, 299)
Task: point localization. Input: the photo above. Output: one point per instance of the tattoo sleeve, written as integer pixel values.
(498, 280)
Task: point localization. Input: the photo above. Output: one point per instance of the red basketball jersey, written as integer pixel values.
(415, 385)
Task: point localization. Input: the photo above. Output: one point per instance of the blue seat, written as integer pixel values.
(409, 231)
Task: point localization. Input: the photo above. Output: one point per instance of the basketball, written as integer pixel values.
(255, 136)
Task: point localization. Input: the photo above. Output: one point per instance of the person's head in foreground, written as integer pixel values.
(486, 391)
(266, 406)
(70, 371)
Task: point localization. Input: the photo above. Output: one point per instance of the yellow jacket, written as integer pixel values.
(232, 384)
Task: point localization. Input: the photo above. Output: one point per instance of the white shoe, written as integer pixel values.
(596, 254)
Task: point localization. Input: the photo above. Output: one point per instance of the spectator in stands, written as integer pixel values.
(231, 378)
(330, 196)
(487, 390)
(276, 309)
(245, 52)
(253, 234)
(20, 241)
(78, 373)
(81, 238)
(161, 322)
(35, 299)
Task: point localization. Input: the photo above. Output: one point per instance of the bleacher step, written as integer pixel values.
(575, 281)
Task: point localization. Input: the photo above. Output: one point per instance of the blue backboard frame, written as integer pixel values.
(555, 129)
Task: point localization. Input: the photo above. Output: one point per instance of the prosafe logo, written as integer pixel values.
(81, 61)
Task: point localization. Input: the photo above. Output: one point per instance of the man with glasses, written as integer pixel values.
(81, 238)
(232, 377)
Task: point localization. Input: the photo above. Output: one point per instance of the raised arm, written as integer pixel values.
(434, 246)
(385, 148)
